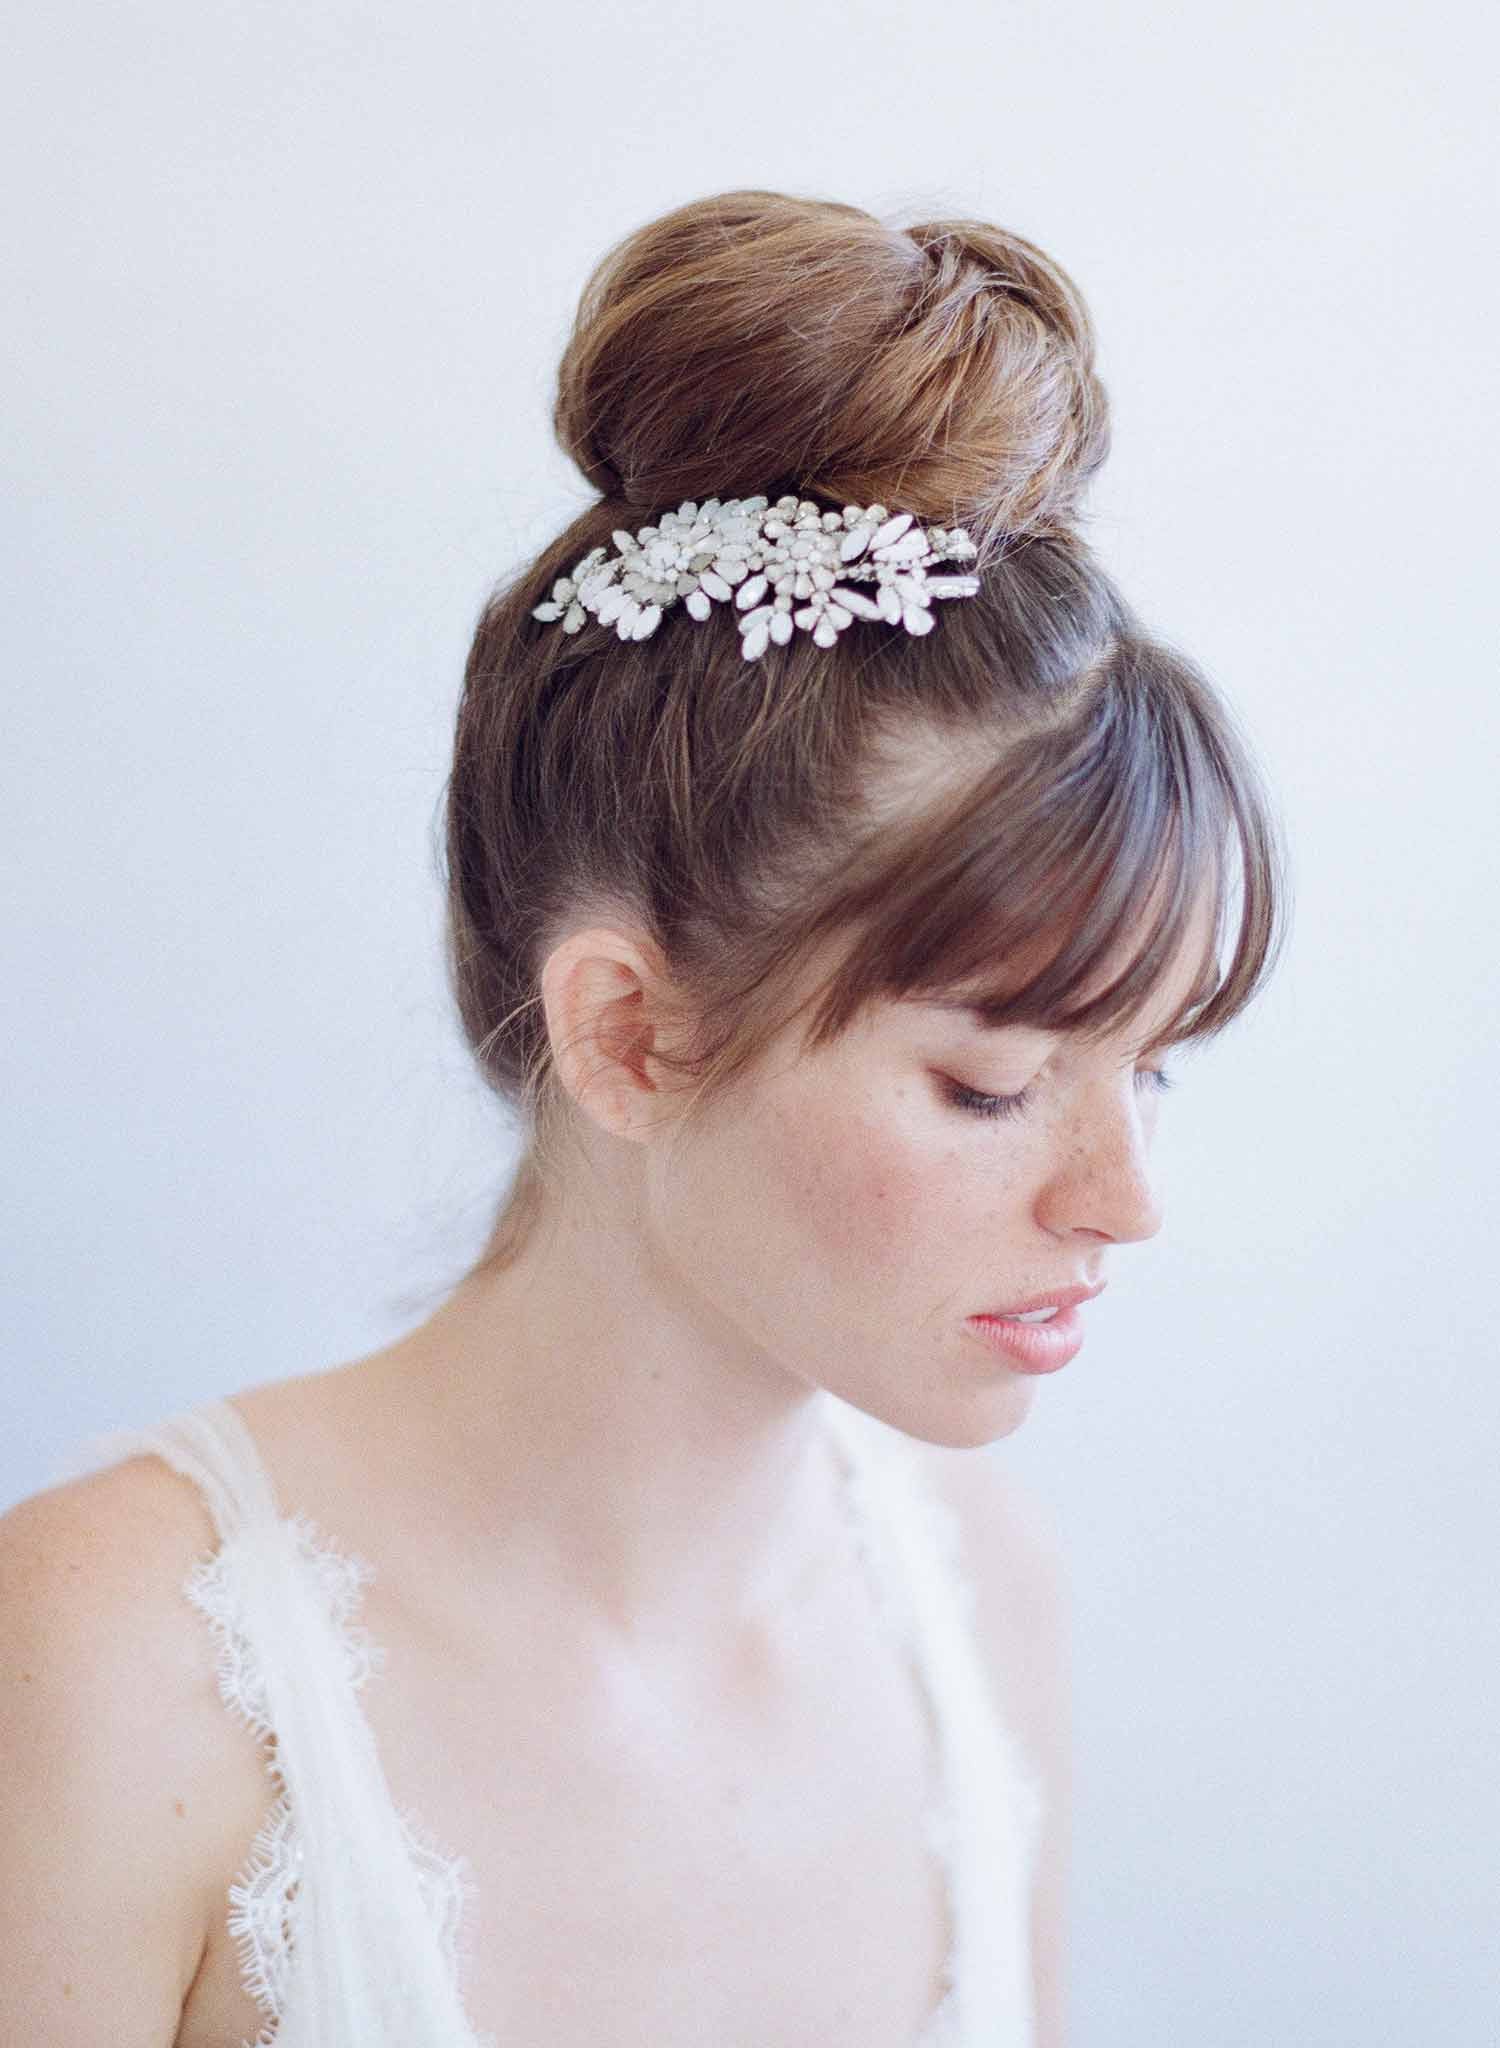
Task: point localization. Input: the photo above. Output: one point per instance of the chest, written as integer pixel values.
(659, 1852)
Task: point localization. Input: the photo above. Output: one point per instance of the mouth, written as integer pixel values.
(1030, 1342)
(1044, 1308)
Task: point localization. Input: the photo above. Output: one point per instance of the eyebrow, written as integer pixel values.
(982, 1014)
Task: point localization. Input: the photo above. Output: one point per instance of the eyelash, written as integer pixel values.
(1157, 1078)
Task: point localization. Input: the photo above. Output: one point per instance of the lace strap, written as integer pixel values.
(986, 1825)
(344, 1917)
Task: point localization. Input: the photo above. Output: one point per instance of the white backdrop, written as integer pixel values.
(286, 292)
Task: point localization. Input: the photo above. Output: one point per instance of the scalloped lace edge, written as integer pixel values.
(895, 1611)
(262, 1897)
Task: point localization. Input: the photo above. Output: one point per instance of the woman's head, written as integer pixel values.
(1035, 808)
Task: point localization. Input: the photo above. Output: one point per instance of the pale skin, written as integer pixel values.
(632, 1675)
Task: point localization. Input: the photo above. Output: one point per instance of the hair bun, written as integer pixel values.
(754, 341)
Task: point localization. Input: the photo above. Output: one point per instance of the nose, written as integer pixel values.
(1101, 1184)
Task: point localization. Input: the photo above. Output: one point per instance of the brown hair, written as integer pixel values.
(934, 812)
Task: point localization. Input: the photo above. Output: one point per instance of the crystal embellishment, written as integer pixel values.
(780, 567)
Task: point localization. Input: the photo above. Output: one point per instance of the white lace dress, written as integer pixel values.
(349, 1920)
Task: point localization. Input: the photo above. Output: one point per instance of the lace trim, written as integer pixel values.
(943, 1536)
(264, 1896)
(893, 1604)
(945, 1532)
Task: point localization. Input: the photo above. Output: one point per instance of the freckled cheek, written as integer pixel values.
(869, 1196)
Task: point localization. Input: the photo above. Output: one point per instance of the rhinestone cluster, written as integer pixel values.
(782, 566)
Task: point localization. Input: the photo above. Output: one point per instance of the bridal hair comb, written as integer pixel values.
(784, 565)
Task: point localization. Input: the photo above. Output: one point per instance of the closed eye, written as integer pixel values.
(1156, 1080)
(987, 1105)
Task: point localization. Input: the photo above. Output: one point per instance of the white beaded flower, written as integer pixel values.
(783, 566)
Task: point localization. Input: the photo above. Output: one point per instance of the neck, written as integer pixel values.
(596, 1421)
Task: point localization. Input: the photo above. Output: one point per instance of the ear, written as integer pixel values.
(601, 991)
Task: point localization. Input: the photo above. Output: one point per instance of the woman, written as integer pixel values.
(627, 1654)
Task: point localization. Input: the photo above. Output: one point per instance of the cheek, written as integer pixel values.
(867, 1192)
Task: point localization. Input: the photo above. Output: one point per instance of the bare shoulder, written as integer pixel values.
(124, 1780)
(89, 1562)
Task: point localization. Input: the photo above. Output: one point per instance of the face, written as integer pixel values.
(850, 1212)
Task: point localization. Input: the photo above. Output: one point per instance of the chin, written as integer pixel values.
(955, 1418)
(973, 1431)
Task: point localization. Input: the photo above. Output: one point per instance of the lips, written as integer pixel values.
(1032, 1347)
(1058, 1297)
